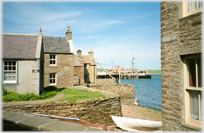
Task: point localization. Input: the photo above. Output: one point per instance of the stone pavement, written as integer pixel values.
(37, 123)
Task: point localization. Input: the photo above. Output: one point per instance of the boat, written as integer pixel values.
(144, 74)
(137, 125)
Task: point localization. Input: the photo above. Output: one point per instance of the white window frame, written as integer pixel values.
(53, 78)
(53, 59)
(10, 81)
(185, 8)
(188, 120)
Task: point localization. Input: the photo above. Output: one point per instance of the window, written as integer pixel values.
(53, 78)
(53, 60)
(191, 7)
(193, 90)
(10, 72)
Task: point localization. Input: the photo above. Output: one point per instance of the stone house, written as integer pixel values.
(59, 61)
(78, 69)
(89, 67)
(22, 63)
(181, 66)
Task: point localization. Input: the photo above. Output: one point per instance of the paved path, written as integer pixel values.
(38, 123)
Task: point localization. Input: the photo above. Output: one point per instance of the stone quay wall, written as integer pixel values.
(93, 111)
(105, 81)
(125, 91)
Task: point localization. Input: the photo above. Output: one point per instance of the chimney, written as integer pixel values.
(91, 53)
(79, 52)
(68, 33)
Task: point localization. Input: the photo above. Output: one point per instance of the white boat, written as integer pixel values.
(137, 125)
(144, 74)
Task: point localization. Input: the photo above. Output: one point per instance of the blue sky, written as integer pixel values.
(113, 30)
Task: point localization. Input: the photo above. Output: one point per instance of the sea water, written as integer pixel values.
(147, 91)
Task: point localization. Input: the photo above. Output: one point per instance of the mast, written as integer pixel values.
(133, 63)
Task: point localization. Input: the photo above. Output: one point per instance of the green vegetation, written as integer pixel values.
(77, 94)
(155, 71)
(48, 92)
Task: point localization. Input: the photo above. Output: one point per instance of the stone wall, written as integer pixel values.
(105, 81)
(64, 70)
(90, 71)
(188, 42)
(93, 111)
(79, 71)
(125, 91)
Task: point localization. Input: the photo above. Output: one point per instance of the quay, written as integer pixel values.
(103, 75)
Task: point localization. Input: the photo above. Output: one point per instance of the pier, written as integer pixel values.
(116, 75)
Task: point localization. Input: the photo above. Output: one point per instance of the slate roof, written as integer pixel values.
(17, 46)
(87, 59)
(77, 60)
(56, 45)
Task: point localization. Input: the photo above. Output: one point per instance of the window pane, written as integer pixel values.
(53, 56)
(9, 68)
(5, 68)
(5, 63)
(50, 56)
(191, 72)
(199, 64)
(53, 75)
(201, 106)
(53, 80)
(53, 61)
(194, 108)
(200, 4)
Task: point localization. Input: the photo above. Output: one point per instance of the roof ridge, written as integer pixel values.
(54, 36)
(19, 34)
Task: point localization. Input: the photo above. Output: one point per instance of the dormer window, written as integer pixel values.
(53, 60)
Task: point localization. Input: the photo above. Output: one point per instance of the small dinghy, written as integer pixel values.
(131, 124)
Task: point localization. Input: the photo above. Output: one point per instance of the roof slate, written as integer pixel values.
(56, 45)
(17, 46)
(88, 59)
(77, 60)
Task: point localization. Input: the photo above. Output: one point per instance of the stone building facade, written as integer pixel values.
(58, 61)
(89, 67)
(181, 55)
(78, 69)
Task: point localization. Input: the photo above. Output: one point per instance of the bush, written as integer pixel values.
(4, 91)
(13, 96)
(51, 88)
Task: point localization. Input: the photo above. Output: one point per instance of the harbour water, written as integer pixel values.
(147, 91)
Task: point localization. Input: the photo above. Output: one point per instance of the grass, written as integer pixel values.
(76, 94)
(49, 92)
(13, 96)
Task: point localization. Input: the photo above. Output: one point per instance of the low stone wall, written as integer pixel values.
(105, 81)
(94, 111)
(125, 91)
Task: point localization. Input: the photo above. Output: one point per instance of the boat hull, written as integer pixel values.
(131, 124)
(144, 76)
